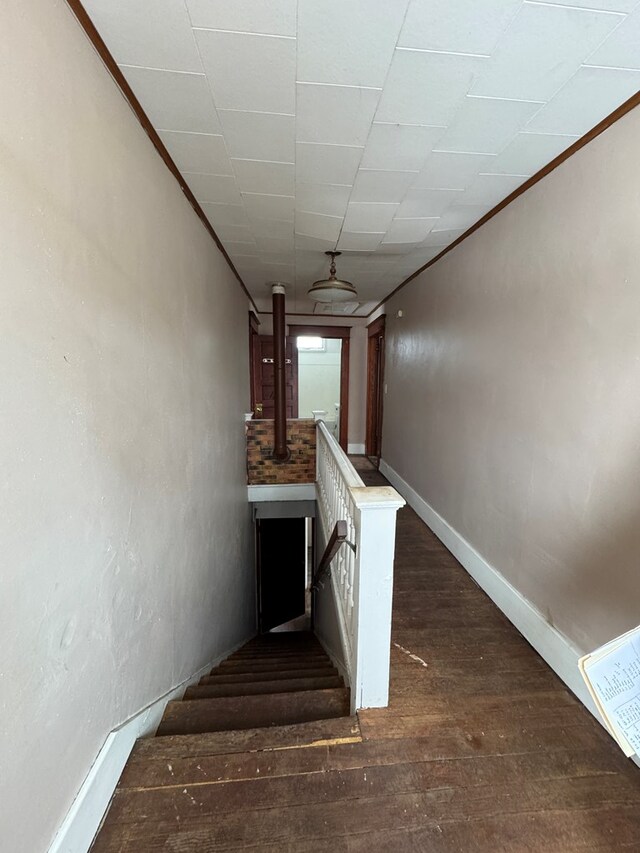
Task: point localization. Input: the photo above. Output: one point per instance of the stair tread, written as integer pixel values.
(217, 677)
(280, 654)
(254, 688)
(272, 709)
(270, 665)
(245, 740)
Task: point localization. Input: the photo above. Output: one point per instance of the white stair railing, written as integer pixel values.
(361, 574)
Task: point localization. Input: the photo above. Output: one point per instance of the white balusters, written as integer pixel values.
(361, 581)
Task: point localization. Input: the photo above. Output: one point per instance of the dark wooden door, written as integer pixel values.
(267, 374)
(281, 570)
(375, 389)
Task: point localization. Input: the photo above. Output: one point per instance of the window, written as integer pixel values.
(307, 344)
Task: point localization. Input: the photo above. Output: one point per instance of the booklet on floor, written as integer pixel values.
(612, 674)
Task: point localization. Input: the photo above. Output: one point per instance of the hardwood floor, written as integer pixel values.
(482, 748)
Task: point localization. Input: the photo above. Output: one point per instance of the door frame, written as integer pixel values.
(344, 334)
(254, 360)
(375, 386)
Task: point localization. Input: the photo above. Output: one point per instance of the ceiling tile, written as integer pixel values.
(174, 100)
(380, 185)
(607, 5)
(528, 153)
(249, 72)
(337, 115)
(399, 146)
(241, 254)
(163, 39)
(276, 245)
(451, 170)
(354, 60)
(542, 48)
(426, 88)
(486, 125)
(259, 136)
(234, 233)
(622, 48)
(248, 16)
(419, 203)
(489, 190)
(409, 230)
(440, 239)
(465, 26)
(330, 199)
(313, 244)
(318, 225)
(281, 229)
(225, 214)
(353, 241)
(590, 95)
(460, 216)
(263, 205)
(327, 164)
(217, 189)
(362, 216)
(388, 251)
(197, 152)
(259, 176)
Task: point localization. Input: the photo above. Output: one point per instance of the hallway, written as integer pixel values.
(481, 749)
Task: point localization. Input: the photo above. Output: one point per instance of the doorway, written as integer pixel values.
(375, 389)
(323, 375)
(263, 380)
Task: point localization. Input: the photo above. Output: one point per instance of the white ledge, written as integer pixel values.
(377, 497)
(284, 492)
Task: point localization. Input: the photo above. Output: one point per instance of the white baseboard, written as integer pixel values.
(355, 449)
(554, 647)
(83, 819)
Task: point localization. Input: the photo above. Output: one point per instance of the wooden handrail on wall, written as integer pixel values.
(338, 537)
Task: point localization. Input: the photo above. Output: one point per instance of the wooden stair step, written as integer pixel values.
(254, 688)
(231, 742)
(280, 654)
(269, 666)
(217, 677)
(439, 751)
(244, 712)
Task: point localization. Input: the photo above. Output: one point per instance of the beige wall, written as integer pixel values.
(513, 397)
(126, 563)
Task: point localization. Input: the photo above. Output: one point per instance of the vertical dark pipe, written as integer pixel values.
(280, 450)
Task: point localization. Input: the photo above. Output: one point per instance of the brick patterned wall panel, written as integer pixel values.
(262, 468)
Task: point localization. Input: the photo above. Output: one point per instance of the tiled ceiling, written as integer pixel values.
(384, 128)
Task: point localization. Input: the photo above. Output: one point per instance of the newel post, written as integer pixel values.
(377, 508)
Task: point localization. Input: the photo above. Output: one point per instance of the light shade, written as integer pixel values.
(332, 289)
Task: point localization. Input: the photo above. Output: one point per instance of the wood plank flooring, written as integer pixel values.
(482, 749)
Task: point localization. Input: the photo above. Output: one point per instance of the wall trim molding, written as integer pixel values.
(556, 649)
(355, 449)
(82, 821)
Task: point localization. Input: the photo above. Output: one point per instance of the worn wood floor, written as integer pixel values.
(482, 748)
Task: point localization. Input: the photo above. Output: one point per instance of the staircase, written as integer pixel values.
(275, 680)
(279, 693)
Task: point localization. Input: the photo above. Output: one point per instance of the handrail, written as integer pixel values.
(348, 472)
(338, 537)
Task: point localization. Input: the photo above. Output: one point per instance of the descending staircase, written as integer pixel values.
(276, 679)
(280, 692)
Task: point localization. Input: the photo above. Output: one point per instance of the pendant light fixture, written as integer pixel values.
(332, 289)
